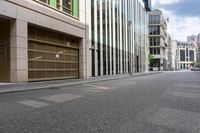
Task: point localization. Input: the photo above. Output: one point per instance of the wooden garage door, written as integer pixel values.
(51, 55)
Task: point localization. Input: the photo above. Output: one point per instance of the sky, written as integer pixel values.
(184, 17)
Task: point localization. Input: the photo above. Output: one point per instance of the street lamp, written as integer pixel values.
(129, 47)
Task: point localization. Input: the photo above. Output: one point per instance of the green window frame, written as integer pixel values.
(75, 8)
(59, 5)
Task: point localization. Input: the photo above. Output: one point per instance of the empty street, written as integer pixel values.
(160, 103)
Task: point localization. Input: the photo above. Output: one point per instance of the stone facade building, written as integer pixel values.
(158, 40)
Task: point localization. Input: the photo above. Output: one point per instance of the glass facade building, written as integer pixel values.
(119, 31)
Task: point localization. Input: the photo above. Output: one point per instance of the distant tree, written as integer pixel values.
(150, 57)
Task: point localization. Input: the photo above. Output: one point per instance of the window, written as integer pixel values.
(191, 53)
(45, 1)
(154, 30)
(187, 54)
(154, 41)
(155, 51)
(154, 19)
(67, 6)
(2, 53)
(182, 55)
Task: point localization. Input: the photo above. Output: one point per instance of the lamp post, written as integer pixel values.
(129, 47)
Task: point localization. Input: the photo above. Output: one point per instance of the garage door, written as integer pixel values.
(51, 55)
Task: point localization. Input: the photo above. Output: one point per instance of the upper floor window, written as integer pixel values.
(182, 55)
(154, 30)
(154, 41)
(155, 51)
(191, 52)
(154, 19)
(68, 6)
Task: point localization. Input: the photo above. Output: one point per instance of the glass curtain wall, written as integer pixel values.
(119, 36)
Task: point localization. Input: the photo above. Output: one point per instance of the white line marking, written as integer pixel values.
(60, 98)
(33, 103)
(99, 87)
(188, 86)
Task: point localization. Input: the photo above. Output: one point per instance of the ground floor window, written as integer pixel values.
(3, 53)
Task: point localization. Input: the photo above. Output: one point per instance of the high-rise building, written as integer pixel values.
(118, 35)
(158, 40)
(62, 39)
(186, 52)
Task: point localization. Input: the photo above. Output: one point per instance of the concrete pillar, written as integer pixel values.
(18, 51)
(82, 59)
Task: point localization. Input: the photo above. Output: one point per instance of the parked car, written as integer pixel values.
(196, 69)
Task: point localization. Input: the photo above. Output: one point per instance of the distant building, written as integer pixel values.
(169, 52)
(174, 55)
(192, 38)
(186, 52)
(158, 44)
(198, 49)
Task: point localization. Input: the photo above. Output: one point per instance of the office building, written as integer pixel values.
(186, 52)
(42, 40)
(64, 39)
(158, 40)
(174, 56)
(118, 37)
(192, 38)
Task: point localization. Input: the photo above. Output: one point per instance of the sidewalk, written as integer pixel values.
(20, 87)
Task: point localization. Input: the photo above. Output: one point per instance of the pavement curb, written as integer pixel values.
(70, 84)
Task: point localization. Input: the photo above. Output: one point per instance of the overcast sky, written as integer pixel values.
(184, 16)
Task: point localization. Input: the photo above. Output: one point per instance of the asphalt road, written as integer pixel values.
(161, 103)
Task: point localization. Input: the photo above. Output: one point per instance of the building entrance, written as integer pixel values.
(51, 55)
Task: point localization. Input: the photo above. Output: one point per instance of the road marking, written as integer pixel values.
(131, 83)
(60, 98)
(33, 103)
(183, 94)
(188, 86)
(89, 90)
(95, 86)
(184, 90)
